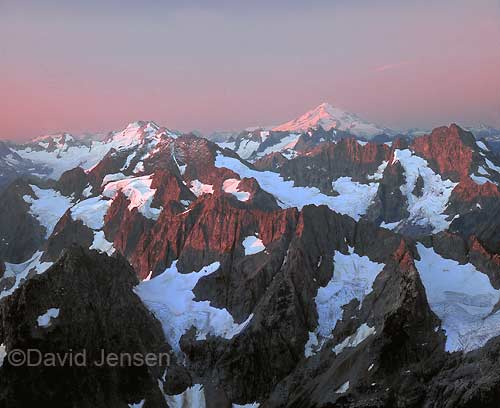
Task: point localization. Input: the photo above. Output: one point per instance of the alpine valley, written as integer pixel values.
(324, 262)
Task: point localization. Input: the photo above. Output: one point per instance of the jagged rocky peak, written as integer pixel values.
(84, 303)
(138, 133)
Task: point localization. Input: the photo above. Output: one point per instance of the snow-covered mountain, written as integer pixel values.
(328, 117)
(322, 124)
(63, 152)
(331, 271)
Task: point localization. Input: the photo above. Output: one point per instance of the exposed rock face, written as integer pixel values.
(211, 228)
(271, 162)
(97, 310)
(20, 233)
(449, 149)
(463, 250)
(285, 312)
(485, 224)
(389, 204)
(327, 162)
(470, 380)
(73, 182)
(169, 189)
(66, 233)
(112, 163)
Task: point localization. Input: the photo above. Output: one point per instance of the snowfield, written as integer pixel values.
(66, 157)
(247, 148)
(139, 192)
(462, 297)
(20, 271)
(353, 277)
(91, 212)
(45, 320)
(353, 200)
(232, 186)
(101, 244)
(170, 298)
(48, 207)
(362, 333)
(198, 188)
(288, 142)
(253, 245)
(429, 208)
(193, 397)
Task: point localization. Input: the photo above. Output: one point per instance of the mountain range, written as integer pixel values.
(325, 262)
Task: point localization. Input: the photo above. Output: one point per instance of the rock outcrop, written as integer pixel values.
(97, 312)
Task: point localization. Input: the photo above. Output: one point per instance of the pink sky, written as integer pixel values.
(226, 66)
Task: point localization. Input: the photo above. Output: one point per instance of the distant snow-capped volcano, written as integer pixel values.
(329, 117)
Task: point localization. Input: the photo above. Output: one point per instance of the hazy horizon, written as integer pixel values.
(87, 67)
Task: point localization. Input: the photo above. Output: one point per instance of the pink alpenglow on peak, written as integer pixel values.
(329, 117)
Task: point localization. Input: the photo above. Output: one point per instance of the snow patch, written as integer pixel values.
(48, 207)
(253, 245)
(193, 397)
(482, 146)
(227, 145)
(91, 212)
(354, 198)
(462, 297)
(343, 388)
(198, 188)
(170, 298)
(247, 148)
(20, 271)
(290, 196)
(232, 186)
(3, 354)
(87, 192)
(492, 166)
(311, 345)
(362, 333)
(138, 191)
(45, 320)
(379, 174)
(353, 277)
(128, 161)
(102, 244)
(287, 142)
(429, 208)
(139, 167)
(479, 180)
(112, 177)
(481, 170)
